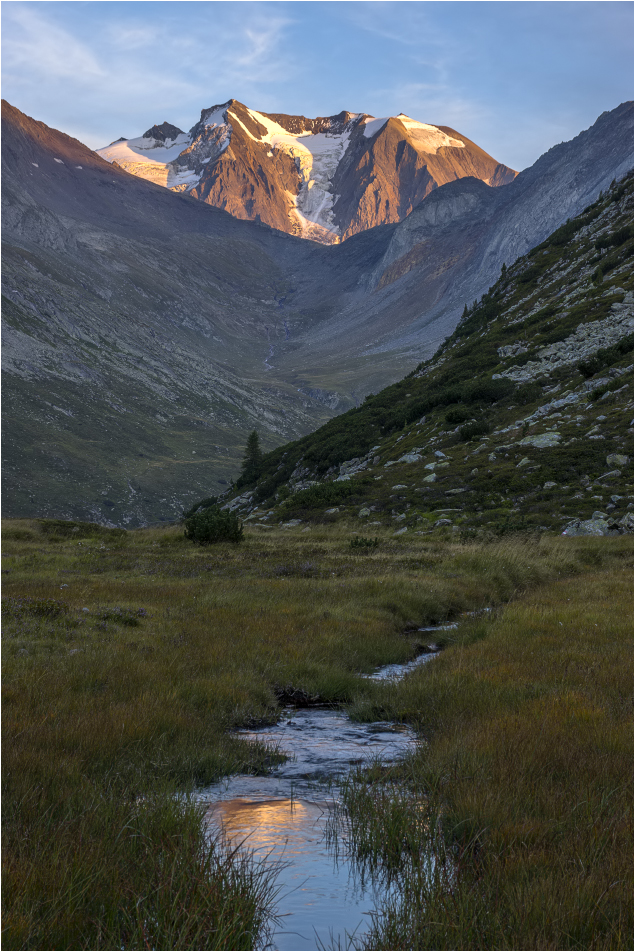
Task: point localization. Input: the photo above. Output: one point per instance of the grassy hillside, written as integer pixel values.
(523, 418)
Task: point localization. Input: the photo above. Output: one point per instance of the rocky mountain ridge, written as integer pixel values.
(324, 179)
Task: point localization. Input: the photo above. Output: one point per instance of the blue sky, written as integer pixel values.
(515, 77)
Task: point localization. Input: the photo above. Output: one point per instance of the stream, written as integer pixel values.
(282, 818)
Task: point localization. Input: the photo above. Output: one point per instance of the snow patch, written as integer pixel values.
(317, 156)
(59, 161)
(426, 138)
(152, 151)
(372, 126)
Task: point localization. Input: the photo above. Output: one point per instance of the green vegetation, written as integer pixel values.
(477, 433)
(106, 720)
(362, 542)
(252, 459)
(213, 524)
(528, 718)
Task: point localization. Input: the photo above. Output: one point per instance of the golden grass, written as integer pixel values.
(530, 759)
(124, 691)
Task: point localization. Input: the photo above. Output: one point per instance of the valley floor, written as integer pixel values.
(130, 656)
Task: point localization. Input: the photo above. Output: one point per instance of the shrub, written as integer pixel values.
(606, 356)
(470, 430)
(527, 393)
(213, 524)
(203, 504)
(458, 415)
(361, 542)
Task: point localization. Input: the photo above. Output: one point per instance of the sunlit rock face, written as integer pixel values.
(324, 179)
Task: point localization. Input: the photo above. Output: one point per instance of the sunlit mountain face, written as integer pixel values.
(324, 179)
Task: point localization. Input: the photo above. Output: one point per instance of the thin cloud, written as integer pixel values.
(33, 44)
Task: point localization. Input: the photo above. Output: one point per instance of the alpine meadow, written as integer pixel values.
(318, 493)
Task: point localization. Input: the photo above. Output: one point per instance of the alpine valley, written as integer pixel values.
(149, 326)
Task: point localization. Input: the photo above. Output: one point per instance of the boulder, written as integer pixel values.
(616, 459)
(592, 527)
(542, 440)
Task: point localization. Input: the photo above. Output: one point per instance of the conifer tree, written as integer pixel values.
(252, 458)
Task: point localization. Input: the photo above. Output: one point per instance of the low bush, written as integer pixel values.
(606, 356)
(361, 542)
(470, 430)
(213, 524)
(203, 504)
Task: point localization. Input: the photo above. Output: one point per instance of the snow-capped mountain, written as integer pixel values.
(324, 179)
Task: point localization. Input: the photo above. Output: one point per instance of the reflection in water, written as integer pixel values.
(319, 900)
(283, 817)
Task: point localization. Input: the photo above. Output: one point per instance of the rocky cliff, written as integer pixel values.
(325, 179)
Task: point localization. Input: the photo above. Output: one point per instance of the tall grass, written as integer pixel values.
(528, 768)
(127, 660)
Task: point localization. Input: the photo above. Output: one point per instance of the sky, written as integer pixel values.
(514, 77)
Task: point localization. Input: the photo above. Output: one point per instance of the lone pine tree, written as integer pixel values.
(252, 459)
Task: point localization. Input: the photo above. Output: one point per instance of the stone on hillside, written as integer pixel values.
(329, 512)
(440, 454)
(400, 486)
(525, 461)
(291, 523)
(442, 465)
(613, 474)
(599, 515)
(549, 484)
(399, 517)
(341, 479)
(364, 512)
(442, 522)
(410, 458)
(432, 478)
(400, 531)
(542, 440)
(616, 459)
(593, 384)
(592, 527)
(627, 522)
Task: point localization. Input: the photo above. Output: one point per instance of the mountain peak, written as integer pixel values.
(325, 178)
(165, 131)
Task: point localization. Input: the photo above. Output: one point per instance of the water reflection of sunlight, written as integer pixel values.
(318, 897)
(277, 826)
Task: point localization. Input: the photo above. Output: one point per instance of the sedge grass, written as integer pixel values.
(528, 768)
(127, 660)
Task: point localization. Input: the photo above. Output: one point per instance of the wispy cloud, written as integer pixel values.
(33, 45)
(224, 50)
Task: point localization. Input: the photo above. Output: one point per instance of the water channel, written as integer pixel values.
(282, 818)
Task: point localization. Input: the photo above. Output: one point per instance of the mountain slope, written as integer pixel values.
(324, 179)
(147, 333)
(523, 418)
